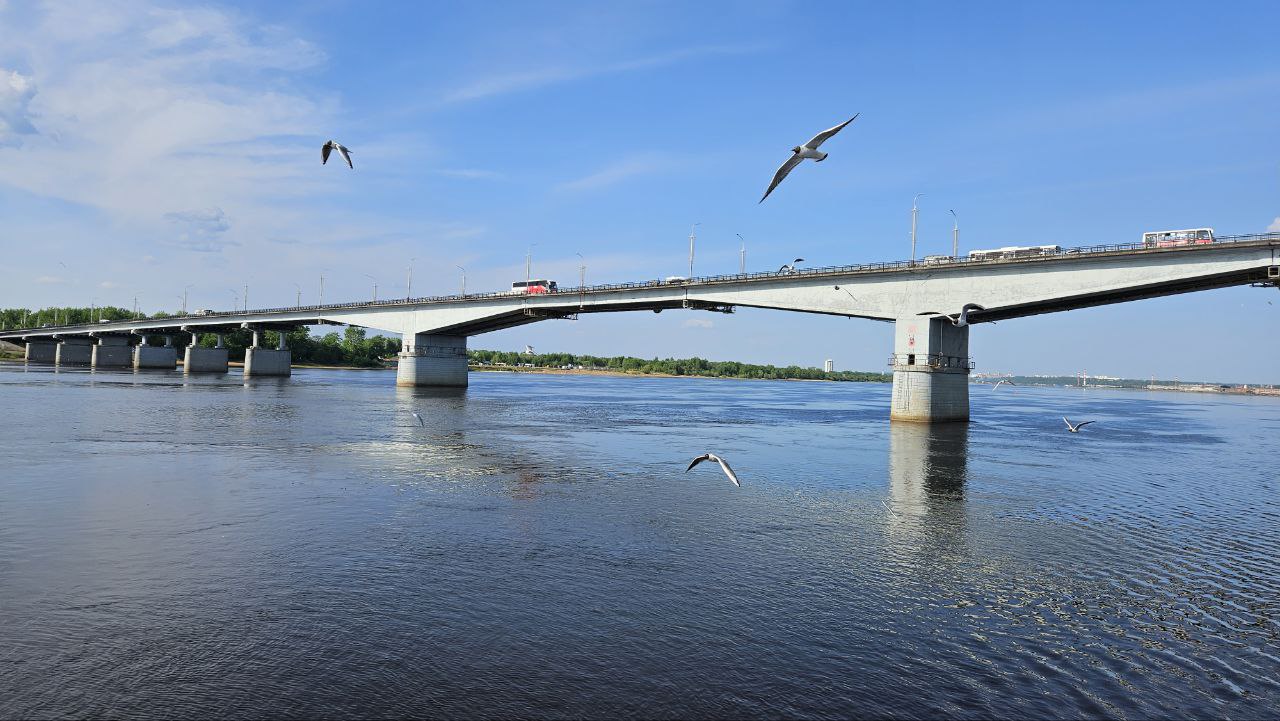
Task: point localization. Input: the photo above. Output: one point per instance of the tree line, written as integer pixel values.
(669, 366)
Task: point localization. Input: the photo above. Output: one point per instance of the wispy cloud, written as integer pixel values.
(698, 323)
(16, 91)
(619, 171)
(1275, 226)
(201, 230)
(469, 173)
(50, 280)
(524, 80)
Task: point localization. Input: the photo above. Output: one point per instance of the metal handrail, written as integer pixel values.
(881, 266)
(932, 360)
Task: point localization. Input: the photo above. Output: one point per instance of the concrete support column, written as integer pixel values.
(219, 343)
(42, 351)
(930, 371)
(283, 343)
(146, 355)
(433, 360)
(204, 360)
(112, 351)
(168, 341)
(74, 351)
(259, 361)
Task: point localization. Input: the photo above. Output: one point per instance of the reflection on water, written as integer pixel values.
(186, 546)
(927, 469)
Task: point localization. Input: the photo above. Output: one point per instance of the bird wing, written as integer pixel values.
(798, 260)
(784, 267)
(1082, 425)
(696, 461)
(733, 477)
(1064, 420)
(346, 155)
(324, 153)
(825, 135)
(792, 162)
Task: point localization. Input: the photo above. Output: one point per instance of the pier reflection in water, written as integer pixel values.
(927, 473)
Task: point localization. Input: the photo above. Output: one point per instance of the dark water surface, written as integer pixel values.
(174, 547)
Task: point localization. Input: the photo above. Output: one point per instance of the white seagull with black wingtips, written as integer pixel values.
(808, 150)
(331, 146)
(733, 477)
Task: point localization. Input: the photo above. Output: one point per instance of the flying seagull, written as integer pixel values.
(1076, 428)
(415, 415)
(808, 150)
(790, 267)
(960, 320)
(723, 466)
(331, 146)
(1002, 382)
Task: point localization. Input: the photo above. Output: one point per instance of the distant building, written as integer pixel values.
(829, 366)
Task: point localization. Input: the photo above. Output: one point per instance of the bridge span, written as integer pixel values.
(930, 358)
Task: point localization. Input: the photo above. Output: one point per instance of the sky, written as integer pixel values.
(152, 148)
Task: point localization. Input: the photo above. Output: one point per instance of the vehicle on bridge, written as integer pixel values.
(1171, 238)
(934, 259)
(533, 287)
(1015, 251)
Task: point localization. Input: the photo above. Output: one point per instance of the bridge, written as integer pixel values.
(924, 299)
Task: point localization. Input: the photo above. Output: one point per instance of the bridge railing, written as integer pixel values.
(309, 310)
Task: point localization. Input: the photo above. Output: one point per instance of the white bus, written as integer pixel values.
(1015, 251)
(1171, 238)
(533, 287)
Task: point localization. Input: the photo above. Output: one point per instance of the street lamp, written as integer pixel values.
(582, 271)
(408, 281)
(915, 213)
(184, 297)
(464, 280)
(692, 237)
(742, 255)
(236, 293)
(298, 302)
(375, 286)
(955, 235)
(528, 261)
(322, 289)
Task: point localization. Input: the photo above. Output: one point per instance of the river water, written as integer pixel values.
(303, 547)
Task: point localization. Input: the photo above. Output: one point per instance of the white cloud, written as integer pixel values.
(50, 280)
(109, 285)
(1275, 226)
(618, 172)
(16, 92)
(698, 323)
(201, 230)
(523, 80)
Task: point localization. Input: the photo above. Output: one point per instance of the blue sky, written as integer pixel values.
(145, 147)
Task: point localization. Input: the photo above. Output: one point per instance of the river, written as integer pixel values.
(174, 547)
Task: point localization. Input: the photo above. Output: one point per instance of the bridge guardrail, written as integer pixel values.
(704, 280)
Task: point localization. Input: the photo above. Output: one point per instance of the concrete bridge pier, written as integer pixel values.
(146, 355)
(259, 361)
(204, 360)
(41, 351)
(930, 370)
(74, 351)
(433, 360)
(112, 351)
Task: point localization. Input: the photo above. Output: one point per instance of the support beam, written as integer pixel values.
(112, 351)
(930, 371)
(74, 351)
(42, 351)
(204, 360)
(433, 360)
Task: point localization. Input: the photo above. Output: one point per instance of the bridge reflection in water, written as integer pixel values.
(928, 468)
